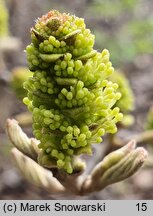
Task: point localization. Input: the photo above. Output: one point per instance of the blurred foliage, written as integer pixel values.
(3, 19)
(19, 76)
(111, 8)
(149, 123)
(142, 35)
(124, 31)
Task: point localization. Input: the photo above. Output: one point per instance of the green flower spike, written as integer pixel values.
(70, 96)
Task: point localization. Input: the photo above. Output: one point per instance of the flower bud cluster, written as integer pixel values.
(70, 96)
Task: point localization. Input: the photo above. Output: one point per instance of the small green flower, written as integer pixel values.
(70, 97)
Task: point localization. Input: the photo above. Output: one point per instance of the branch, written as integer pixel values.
(141, 138)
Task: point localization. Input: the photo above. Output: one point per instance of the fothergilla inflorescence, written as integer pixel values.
(69, 95)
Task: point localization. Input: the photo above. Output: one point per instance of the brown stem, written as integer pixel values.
(141, 138)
